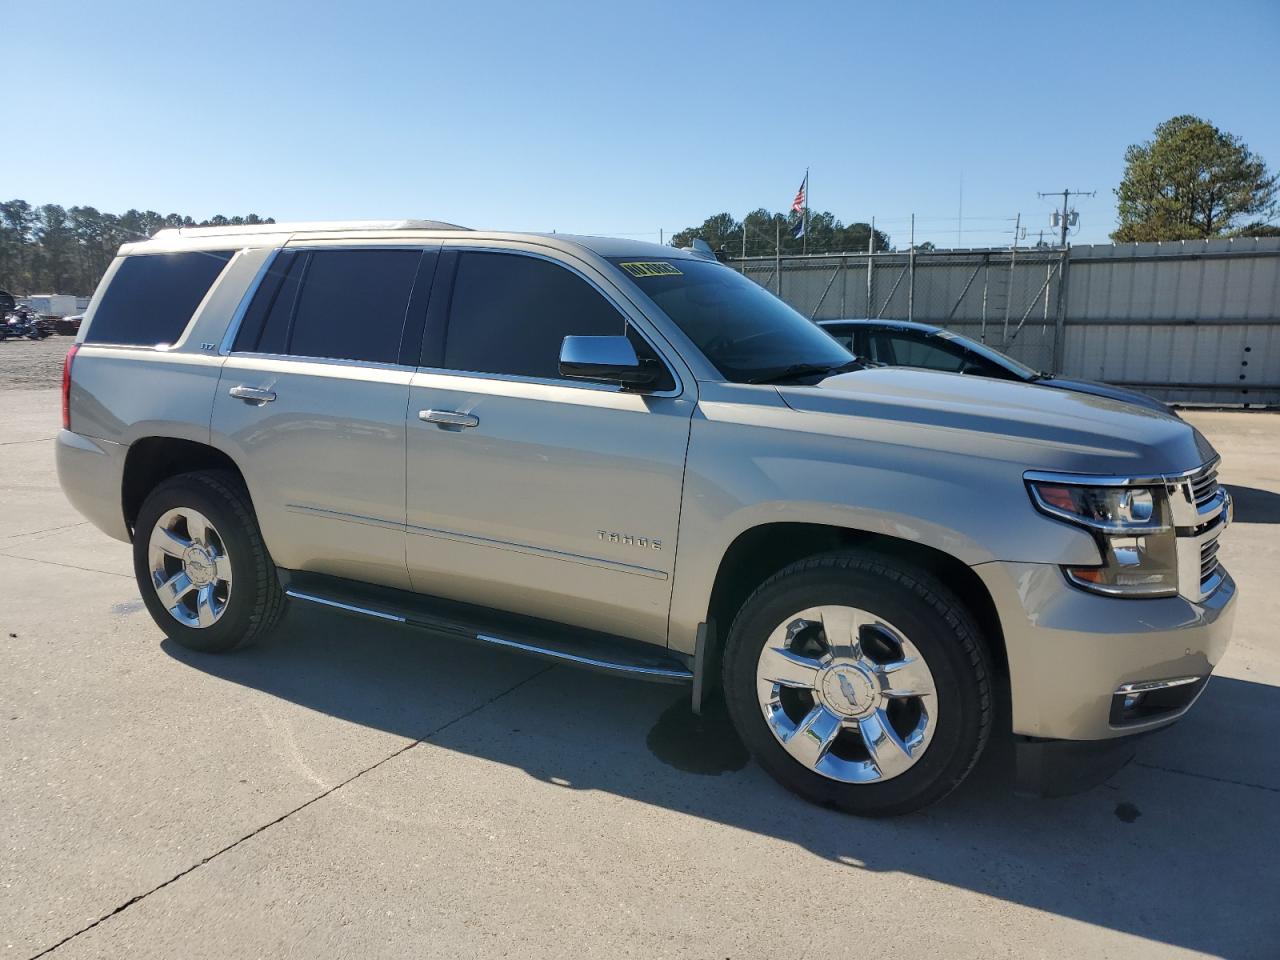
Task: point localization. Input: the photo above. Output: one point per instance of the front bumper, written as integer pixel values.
(1070, 651)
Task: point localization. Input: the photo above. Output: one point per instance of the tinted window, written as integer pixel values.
(745, 331)
(352, 304)
(906, 350)
(336, 304)
(265, 327)
(844, 339)
(997, 364)
(151, 298)
(511, 313)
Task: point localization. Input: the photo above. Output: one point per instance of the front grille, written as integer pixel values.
(1204, 485)
(1208, 560)
(1200, 514)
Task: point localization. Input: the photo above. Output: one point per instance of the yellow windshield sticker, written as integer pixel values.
(656, 268)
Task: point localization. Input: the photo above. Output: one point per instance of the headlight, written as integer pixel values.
(1133, 529)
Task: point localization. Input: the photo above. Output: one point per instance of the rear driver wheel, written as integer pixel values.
(201, 564)
(859, 682)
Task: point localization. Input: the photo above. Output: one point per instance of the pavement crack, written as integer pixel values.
(10, 443)
(1205, 776)
(285, 816)
(32, 535)
(69, 566)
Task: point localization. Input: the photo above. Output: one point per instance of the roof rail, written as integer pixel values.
(314, 226)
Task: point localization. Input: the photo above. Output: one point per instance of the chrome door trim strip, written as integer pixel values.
(339, 515)
(349, 607)
(533, 551)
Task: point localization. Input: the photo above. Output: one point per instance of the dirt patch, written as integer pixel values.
(32, 363)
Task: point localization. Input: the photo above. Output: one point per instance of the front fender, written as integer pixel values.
(741, 475)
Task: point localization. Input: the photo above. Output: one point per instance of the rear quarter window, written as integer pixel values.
(152, 297)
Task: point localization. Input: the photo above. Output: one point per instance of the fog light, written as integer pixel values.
(1133, 701)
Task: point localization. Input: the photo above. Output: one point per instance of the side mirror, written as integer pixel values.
(606, 359)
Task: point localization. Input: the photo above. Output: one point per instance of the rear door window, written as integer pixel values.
(152, 297)
(332, 304)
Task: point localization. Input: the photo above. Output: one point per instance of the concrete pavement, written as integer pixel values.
(354, 789)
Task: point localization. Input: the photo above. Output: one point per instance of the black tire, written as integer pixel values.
(256, 599)
(943, 631)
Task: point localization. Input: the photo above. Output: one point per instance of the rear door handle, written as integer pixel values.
(253, 394)
(449, 418)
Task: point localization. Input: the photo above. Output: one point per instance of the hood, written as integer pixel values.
(1099, 389)
(1039, 429)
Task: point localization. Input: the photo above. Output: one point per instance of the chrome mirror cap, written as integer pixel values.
(609, 359)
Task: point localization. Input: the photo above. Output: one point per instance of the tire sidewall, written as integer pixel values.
(189, 491)
(959, 732)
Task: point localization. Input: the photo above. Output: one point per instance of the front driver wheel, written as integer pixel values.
(202, 567)
(859, 682)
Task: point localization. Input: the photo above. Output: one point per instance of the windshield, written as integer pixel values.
(989, 353)
(747, 333)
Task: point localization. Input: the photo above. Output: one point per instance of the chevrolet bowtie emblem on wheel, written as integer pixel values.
(847, 689)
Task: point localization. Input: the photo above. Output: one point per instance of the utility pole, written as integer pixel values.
(777, 253)
(911, 268)
(871, 249)
(1008, 287)
(1067, 214)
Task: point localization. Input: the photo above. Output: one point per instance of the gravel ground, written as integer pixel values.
(32, 363)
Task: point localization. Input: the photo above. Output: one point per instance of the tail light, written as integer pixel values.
(66, 386)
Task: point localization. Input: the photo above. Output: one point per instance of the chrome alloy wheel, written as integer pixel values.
(190, 569)
(846, 694)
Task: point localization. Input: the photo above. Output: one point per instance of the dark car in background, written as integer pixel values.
(900, 343)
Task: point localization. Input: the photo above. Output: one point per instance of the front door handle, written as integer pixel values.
(449, 418)
(254, 395)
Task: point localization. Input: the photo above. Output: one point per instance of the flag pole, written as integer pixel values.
(804, 213)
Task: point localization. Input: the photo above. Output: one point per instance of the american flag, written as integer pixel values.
(797, 205)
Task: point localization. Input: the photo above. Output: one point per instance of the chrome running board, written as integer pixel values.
(539, 638)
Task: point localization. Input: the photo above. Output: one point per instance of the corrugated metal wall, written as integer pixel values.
(1196, 321)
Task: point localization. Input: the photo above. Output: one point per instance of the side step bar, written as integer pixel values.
(540, 638)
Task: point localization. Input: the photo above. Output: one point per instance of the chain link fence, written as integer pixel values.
(1006, 298)
(1195, 321)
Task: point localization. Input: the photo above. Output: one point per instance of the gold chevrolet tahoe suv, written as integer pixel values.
(632, 459)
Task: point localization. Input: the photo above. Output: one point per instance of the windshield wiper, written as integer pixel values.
(797, 370)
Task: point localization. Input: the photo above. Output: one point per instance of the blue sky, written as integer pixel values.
(621, 118)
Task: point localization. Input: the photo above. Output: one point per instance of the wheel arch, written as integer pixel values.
(152, 460)
(761, 551)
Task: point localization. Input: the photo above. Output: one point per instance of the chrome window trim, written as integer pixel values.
(327, 361)
(627, 318)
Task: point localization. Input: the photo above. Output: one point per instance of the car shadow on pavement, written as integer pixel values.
(1176, 848)
(1255, 506)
